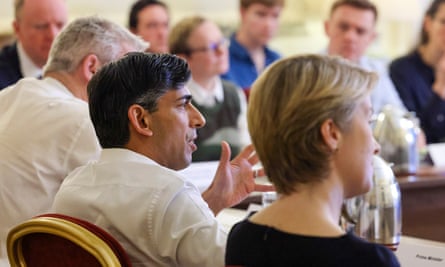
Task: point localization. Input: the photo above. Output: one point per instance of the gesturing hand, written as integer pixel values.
(234, 180)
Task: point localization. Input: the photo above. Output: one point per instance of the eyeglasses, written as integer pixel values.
(223, 43)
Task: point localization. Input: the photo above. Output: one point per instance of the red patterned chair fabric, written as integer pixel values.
(60, 240)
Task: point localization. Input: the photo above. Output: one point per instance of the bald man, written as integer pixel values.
(36, 24)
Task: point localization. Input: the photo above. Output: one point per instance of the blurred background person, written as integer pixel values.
(36, 24)
(309, 122)
(222, 103)
(249, 54)
(350, 29)
(150, 19)
(45, 128)
(419, 76)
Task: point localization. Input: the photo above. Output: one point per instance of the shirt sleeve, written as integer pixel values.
(188, 231)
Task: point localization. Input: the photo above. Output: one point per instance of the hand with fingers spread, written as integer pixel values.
(234, 180)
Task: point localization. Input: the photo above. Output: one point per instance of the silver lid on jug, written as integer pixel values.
(397, 131)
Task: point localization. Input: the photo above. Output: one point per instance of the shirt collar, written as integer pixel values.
(363, 60)
(123, 154)
(57, 85)
(206, 97)
(28, 68)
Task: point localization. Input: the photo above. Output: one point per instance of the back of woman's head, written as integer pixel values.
(287, 106)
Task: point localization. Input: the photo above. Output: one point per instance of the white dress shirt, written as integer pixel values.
(45, 132)
(158, 216)
(28, 68)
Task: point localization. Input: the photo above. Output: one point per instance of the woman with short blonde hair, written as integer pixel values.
(308, 117)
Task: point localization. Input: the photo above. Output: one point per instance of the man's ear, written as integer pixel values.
(140, 120)
(90, 65)
(326, 27)
(16, 26)
(426, 24)
(331, 134)
(242, 12)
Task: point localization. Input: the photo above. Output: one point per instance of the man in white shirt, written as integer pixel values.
(45, 129)
(350, 29)
(36, 24)
(144, 120)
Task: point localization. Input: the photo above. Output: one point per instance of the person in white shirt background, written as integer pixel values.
(45, 129)
(223, 104)
(350, 29)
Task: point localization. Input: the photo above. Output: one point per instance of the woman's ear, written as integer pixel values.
(331, 134)
(140, 120)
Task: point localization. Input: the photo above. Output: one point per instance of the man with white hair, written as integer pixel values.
(45, 128)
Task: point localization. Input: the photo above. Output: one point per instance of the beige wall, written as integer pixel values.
(302, 21)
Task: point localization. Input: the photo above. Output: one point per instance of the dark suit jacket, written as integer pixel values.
(10, 71)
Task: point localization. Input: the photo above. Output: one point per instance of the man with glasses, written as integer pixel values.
(36, 24)
(222, 103)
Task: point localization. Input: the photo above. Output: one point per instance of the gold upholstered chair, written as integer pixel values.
(60, 240)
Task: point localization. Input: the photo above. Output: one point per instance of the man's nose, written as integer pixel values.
(196, 118)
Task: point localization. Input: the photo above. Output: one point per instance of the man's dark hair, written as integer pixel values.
(360, 4)
(137, 78)
(137, 7)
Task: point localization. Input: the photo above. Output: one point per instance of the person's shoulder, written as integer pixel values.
(372, 253)
(9, 65)
(243, 228)
(9, 58)
(229, 85)
(272, 54)
(9, 53)
(172, 179)
(374, 63)
(404, 60)
(236, 50)
(50, 98)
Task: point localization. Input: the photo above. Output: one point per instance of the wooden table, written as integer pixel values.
(423, 203)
